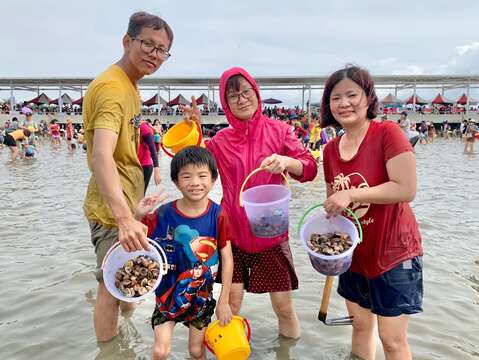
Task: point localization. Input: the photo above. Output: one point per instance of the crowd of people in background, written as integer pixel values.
(24, 137)
(77, 109)
(306, 128)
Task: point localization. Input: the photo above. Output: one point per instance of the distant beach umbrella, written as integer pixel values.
(66, 99)
(154, 101)
(390, 99)
(40, 99)
(463, 100)
(78, 101)
(419, 100)
(202, 100)
(272, 101)
(441, 100)
(179, 100)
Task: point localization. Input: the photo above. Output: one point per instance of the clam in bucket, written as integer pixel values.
(266, 207)
(181, 135)
(230, 342)
(116, 257)
(318, 224)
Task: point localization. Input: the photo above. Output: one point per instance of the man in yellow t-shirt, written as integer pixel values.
(111, 117)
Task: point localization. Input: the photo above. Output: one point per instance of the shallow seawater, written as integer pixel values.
(47, 262)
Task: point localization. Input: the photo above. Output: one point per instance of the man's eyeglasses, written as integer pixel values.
(149, 47)
(245, 94)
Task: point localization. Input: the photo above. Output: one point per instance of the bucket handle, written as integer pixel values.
(248, 177)
(163, 270)
(248, 327)
(248, 336)
(200, 140)
(349, 211)
(166, 151)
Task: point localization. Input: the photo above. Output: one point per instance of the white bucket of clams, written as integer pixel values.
(117, 257)
(319, 224)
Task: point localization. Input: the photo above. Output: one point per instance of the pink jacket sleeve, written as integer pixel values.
(293, 148)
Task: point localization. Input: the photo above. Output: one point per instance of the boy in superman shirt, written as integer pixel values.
(193, 232)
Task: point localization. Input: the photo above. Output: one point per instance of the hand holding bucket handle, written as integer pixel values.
(323, 310)
(248, 177)
(163, 269)
(349, 211)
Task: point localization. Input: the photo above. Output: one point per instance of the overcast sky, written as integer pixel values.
(81, 38)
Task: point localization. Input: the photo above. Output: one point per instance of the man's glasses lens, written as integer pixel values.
(149, 48)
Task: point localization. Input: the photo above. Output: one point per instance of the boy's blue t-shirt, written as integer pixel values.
(191, 247)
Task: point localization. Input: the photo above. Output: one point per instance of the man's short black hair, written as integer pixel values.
(194, 155)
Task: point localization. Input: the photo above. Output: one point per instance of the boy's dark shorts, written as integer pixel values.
(102, 238)
(199, 323)
(396, 292)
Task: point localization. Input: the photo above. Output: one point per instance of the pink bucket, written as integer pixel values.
(267, 207)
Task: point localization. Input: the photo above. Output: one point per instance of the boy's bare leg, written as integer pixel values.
(195, 343)
(288, 322)
(105, 315)
(162, 342)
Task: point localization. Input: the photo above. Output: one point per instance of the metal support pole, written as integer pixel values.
(208, 96)
(309, 103)
(395, 91)
(60, 100)
(158, 99)
(12, 101)
(467, 103)
(302, 98)
(414, 97)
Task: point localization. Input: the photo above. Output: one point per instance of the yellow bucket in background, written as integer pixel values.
(316, 155)
(179, 136)
(230, 342)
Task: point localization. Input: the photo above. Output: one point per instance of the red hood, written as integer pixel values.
(234, 121)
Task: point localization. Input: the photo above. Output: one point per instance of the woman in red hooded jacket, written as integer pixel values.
(253, 140)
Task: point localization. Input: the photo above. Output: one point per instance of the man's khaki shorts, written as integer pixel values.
(102, 239)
